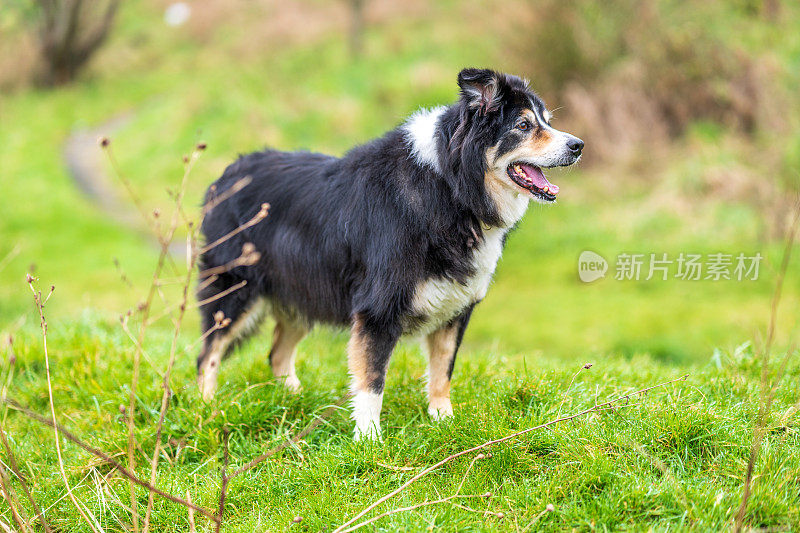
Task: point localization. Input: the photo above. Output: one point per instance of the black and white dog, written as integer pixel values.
(400, 236)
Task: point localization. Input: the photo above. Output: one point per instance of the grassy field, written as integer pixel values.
(674, 459)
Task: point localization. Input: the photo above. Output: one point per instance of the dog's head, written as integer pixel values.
(504, 137)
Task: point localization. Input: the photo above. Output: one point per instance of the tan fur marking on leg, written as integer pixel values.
(357, 353)
(366, 404)
(284, 351)
(441, 350)
(209, 368)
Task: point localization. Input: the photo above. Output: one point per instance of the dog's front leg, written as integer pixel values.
(442, 347)
(371, 344)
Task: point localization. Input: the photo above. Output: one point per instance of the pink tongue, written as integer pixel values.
(538, 179)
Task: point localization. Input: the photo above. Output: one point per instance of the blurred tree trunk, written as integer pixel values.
(70, 32)
(772, 9)
(356, 28)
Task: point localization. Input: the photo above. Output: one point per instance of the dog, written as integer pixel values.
(400, 236)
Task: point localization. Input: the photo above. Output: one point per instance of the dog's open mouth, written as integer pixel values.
(531, 178)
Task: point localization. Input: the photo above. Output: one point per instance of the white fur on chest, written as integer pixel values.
(440, 300)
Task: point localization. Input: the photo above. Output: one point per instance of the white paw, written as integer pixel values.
(208, 385)
(291, 383)
(440, 410)
(369, 433)
(367, 415)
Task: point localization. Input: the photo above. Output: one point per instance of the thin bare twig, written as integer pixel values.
(397, 468)
(134, 479)
(608, 404)
(107, 459)
(37, 298)
(124, 323)
(293, 440)
(665, 470)
(226, 194)
(206, 282)
(416, 506)
(249, 257)
(587, 366)
(165, 239)
(548, 509)
(192, 526)
(225, 479)
(768, 391)
(464, 478)
(165, 384)
(8, 495)
(222, 294)
(135, 380)
(12, 462)
(216, 327)
(258, 217)
(105, 144)
(485, 512)
(243, 260)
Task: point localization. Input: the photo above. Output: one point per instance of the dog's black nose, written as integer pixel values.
(575, 146)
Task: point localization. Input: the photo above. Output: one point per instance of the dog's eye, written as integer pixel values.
(523, 125)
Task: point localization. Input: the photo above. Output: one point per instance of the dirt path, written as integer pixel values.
(87, 166)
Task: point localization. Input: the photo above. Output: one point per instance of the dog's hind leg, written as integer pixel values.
(284, 350)
(245, 310)
(368, 352)
(208, 363)
(442, 346)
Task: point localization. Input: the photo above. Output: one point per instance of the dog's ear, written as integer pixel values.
(480, 89)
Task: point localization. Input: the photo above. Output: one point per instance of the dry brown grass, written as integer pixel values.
(254, 28)
(19, 58)
(631, 77)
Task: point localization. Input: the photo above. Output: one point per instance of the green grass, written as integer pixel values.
(675, 460)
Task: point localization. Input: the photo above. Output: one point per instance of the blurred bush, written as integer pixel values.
(633, 74)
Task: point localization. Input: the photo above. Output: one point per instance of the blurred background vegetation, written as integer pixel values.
(689, 111)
